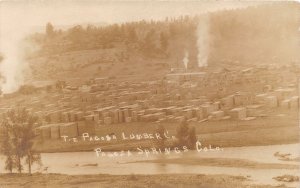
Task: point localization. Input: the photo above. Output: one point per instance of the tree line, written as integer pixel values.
(234, 33)
(151, 38)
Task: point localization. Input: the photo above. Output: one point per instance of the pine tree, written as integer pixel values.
(182, 133)
(149, 46)
(192, 137)
(164, 41)
(49, 30)
(161, 131)
(132, 36)
(186, 135)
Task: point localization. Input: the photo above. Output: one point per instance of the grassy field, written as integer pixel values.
(129, 181)
(269, 130)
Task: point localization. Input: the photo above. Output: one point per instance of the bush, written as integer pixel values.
(186, 135)
(132, 177)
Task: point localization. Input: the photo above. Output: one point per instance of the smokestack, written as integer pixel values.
(203, 41)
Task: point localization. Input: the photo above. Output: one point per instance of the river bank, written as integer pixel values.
(138, 181)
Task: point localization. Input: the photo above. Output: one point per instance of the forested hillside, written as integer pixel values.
(232, 36)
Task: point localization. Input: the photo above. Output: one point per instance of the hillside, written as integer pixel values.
(148, 49)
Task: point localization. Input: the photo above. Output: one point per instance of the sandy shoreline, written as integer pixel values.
(223, 162)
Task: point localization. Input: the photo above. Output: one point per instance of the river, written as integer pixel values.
(88, 163)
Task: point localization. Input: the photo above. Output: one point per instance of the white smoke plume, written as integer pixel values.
(13, 29)
(11, 66)
(186, 60)
(203, 40)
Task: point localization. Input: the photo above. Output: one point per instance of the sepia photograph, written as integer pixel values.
(149, 94)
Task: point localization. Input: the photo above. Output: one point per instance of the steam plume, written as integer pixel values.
(203, 41)
(14, 28)
(186, 60)
(11, 66)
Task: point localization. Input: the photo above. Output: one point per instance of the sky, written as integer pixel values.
(66, 12)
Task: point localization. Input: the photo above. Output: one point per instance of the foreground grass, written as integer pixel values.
(128, 181)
